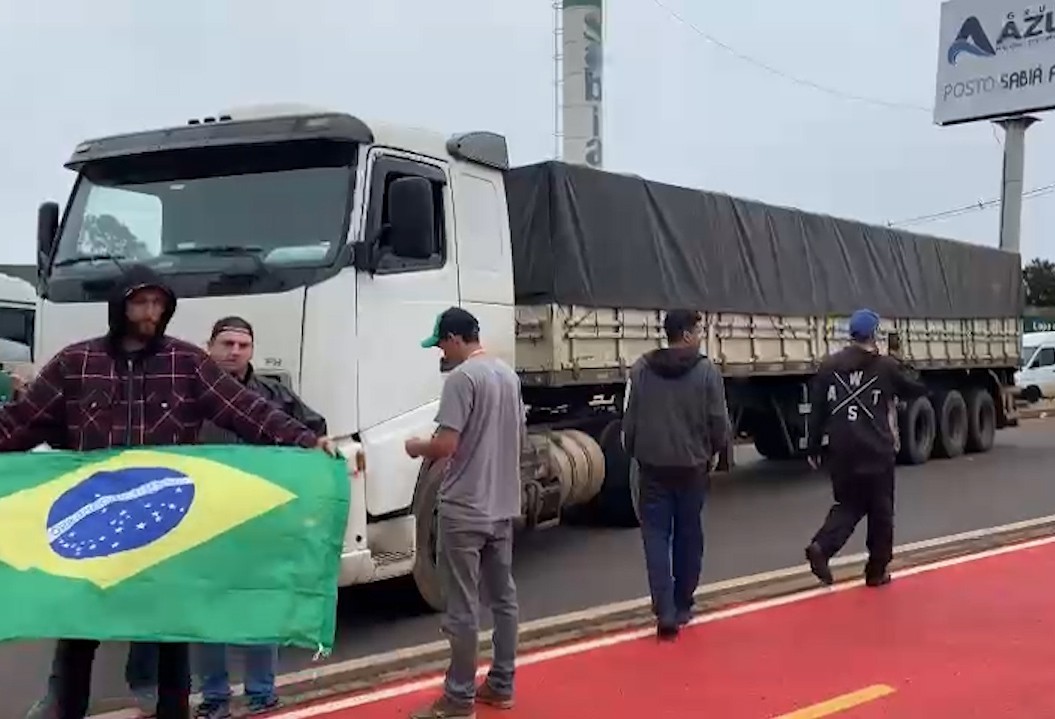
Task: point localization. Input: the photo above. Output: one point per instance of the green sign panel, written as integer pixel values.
(1038, 324)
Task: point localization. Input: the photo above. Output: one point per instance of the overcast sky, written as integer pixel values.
(678, 108)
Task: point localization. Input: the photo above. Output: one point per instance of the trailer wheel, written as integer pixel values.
(614, 504)
(771, 444)
(426, 572)
(952, 425)
(981, 421)
(917, 432)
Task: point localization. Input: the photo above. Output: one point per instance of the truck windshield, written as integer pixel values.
(284, 205)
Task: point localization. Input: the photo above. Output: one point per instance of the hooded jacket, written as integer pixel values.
(675, 416)
(851, 401)
(278, 394)
(94, 395)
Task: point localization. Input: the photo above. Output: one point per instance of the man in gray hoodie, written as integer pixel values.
(674, 424)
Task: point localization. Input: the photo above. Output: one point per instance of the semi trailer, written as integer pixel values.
(341, 239)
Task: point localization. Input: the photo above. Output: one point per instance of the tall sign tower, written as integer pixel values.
(582, 82)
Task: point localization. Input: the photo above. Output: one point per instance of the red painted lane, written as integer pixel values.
(974, 639)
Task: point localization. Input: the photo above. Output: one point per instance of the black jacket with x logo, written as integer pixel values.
(851, 399)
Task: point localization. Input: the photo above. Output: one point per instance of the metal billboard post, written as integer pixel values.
(1013, 179)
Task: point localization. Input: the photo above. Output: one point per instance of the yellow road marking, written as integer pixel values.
(840, 703)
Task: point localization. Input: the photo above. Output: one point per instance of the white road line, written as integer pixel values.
(623, 637)
(593, 613)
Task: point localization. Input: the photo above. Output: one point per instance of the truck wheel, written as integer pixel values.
(426, 573)
(770, 443)
(615, 503)
(1032, 394)
(952, 425)
(635, 488)
(981, 421)
(917, 432)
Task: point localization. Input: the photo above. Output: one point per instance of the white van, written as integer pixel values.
(1035, 379)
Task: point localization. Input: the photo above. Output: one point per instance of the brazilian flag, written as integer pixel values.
(211, 543)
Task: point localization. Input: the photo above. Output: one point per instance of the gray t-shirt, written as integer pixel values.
(481, 401)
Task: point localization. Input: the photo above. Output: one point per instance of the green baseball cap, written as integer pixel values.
(454, 321)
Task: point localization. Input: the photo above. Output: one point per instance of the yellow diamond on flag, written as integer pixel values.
(109, 521)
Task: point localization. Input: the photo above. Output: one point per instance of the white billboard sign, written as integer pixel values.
(995, 58)
(583, 85)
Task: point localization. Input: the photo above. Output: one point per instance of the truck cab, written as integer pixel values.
(18, 304)
(340, 239)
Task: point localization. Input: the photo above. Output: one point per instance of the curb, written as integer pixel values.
(354, 676)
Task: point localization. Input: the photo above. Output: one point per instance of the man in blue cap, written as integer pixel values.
(851, 401)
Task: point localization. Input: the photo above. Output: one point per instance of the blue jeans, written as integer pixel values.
(671, 507)
(260, 662)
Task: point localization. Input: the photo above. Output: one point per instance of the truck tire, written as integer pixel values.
(917, 432)
(981, 421)
(614, 504)
(426, 573)
(770, 443)
(952, 425)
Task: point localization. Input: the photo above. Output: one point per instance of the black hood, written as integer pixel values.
(673, 362)
(136, 277)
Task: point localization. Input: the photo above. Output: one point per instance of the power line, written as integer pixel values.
(743, 57)
(968, 209)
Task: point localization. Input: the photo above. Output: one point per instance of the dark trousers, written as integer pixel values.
(671, 506)
(859, 495)
(73, 671)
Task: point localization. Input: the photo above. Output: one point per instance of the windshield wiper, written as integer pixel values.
(250, 251)
(218, 250)
(89, 258)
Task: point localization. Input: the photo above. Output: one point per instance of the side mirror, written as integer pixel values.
(47, 229)
(411, 218)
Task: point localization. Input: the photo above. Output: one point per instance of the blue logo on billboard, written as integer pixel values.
(971, 40)
(1019, 30)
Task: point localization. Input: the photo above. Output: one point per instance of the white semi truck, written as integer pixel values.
(342, 239)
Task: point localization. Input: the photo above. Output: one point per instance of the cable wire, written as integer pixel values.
(743, 57)
(967, 209)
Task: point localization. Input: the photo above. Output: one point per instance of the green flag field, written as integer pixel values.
(211, 543)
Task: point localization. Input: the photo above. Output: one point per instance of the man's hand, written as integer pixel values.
(18, 385)
(415, 447)
(815, 462)
(326, 445)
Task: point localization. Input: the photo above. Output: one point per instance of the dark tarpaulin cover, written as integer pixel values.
(599, 239)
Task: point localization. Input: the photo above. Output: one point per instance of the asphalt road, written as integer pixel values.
(758, 519)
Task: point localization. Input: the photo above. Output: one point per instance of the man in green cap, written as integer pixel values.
(481, 428)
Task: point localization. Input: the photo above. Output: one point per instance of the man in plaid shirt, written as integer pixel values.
(135, 386)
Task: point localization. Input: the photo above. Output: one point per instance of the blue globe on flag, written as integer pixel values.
(117, 511)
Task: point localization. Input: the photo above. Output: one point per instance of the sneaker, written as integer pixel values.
(43, 709)
(213, 710)
(261, 705)
(667, 632)
(485, 694)
(819, 564)
(881, 581)
(684, 617)
(445, 708)
(146, 703)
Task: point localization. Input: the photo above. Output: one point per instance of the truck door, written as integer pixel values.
(399, 382)
(485, 256)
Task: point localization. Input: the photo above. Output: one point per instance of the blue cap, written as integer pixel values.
(864, 324)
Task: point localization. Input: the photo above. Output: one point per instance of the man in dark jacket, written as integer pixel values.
(675, 423)
(851, 401)
(136, 386)
(231, 346)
